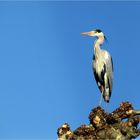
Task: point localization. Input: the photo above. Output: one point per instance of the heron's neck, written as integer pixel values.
(99, 41)
(97, 44)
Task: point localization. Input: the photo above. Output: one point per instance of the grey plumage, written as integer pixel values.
(103, 72)
(102, 65)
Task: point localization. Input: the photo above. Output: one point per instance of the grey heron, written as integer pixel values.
(102, 65)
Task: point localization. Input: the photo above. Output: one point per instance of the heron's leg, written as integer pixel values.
(106, 107)
(100, 102)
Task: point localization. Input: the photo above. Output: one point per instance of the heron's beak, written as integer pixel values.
(91, 33)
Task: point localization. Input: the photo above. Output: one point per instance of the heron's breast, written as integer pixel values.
(98, 66)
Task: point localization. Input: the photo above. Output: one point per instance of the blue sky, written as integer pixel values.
(46, 76)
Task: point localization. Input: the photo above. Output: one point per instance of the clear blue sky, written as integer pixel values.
(46, 76)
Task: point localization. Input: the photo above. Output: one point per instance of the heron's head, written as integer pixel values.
(97, 33)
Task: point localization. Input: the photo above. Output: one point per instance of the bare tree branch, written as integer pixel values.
(121, 124)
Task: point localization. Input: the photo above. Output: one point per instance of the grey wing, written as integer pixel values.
(99, 76)
(109, 69)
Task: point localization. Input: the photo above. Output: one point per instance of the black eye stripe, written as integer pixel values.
(98, 30)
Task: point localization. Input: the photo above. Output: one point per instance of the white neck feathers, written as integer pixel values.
(97, 44)
(99, 41)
